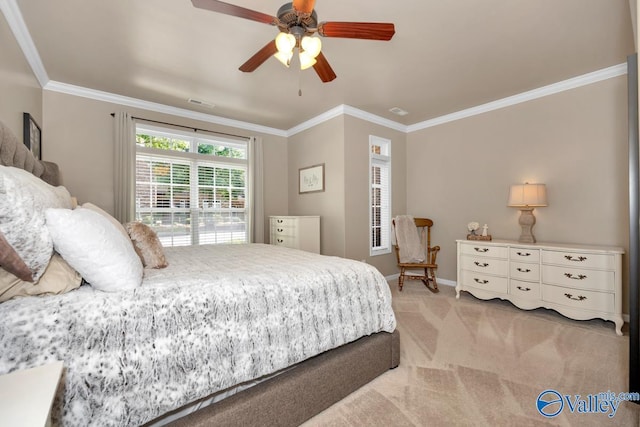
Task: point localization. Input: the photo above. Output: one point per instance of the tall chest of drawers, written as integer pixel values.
(580, 282)
(297, 232)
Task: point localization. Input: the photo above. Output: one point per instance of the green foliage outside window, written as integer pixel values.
(163, 143)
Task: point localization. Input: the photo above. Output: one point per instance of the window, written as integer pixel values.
(191, 188)
(380, 195)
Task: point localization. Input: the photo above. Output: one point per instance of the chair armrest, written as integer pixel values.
(433, 254)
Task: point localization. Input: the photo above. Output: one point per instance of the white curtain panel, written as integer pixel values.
(256, 190)
(125, 159)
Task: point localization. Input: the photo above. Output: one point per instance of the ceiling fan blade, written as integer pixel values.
(304, 6)
(324, 70)
(258, 59)
(233, 10)
(357, 30)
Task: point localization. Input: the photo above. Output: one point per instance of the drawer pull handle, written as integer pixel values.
(279, 221)
(523, 253)
(481, 264)
(481, 249)
(524, 289)
(578, 277)
(523, 270)
(576, 259)
(280, 241)
(482, 282)
(280, 230)
(578, 298)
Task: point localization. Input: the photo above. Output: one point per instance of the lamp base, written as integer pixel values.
(526, 221)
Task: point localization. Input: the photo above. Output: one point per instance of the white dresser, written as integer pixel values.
(578, 281)
(297, 232)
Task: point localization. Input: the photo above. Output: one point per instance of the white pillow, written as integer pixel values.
(120, 227)
(95, 248)
(23, 200)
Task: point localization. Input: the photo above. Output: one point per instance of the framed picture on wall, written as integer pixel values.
(32, 135)
(311, 179)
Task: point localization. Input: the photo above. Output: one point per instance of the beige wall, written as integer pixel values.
(342, 144)
(321, 144)
(20, 91)
(80, 139)
(574, 141)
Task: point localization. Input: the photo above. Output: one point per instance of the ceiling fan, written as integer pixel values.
(298, 22)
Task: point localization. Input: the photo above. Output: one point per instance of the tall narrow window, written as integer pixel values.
(191, 188)
(380, 195)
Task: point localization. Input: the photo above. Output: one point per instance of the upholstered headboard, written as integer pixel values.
(15, 153)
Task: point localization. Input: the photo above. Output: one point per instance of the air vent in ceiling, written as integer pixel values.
(201, 103)
(399, 111)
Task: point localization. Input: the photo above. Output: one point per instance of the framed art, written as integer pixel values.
(32, 135)
(311, 179)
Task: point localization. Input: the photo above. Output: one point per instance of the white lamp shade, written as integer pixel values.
(285, 42)
(532, 195)
(311, 45)
(306, 60)
(285, 58)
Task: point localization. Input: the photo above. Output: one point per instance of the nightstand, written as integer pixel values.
(26, 396)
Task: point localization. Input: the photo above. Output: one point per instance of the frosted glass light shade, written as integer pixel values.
(311, 45)
(532, 195)
(306, 60)
(285, 42)
(285, 58)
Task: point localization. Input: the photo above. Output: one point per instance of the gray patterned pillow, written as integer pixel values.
(23, 200)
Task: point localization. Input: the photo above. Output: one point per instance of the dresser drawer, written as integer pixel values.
(579, 298)
(528, 290)
(283, 230)
(578, 260)
(578, 278)
(524, 271)
(485, 282)
(524, 255)
(485, 265)
(484, 250)
(283, 222)
(288, 241)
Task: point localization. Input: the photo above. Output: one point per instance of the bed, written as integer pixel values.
(224, 335)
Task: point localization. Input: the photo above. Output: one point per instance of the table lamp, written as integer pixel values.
(526, 197)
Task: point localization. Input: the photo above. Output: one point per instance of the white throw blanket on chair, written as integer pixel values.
(408, 240)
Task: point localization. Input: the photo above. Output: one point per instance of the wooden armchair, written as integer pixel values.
(429, 266)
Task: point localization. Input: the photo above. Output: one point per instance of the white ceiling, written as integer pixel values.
(446, 55)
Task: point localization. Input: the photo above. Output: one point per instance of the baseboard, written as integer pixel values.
(440, 281)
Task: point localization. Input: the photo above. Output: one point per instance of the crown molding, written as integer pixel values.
(348, 110)
(321, 118)
(159, 108)
(14, 18)
(361, 114)
(572, 83)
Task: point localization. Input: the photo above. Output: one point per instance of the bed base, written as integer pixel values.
(300, 393)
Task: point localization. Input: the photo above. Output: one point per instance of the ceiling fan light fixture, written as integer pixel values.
(285, 42)
(284, 57)
(306, 60)
(311, 45)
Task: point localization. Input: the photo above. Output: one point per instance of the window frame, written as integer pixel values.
(196, 160)
(382, 159)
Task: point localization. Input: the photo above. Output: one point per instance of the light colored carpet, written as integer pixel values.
(469, 362)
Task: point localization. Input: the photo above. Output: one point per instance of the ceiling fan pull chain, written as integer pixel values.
(299, 82)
